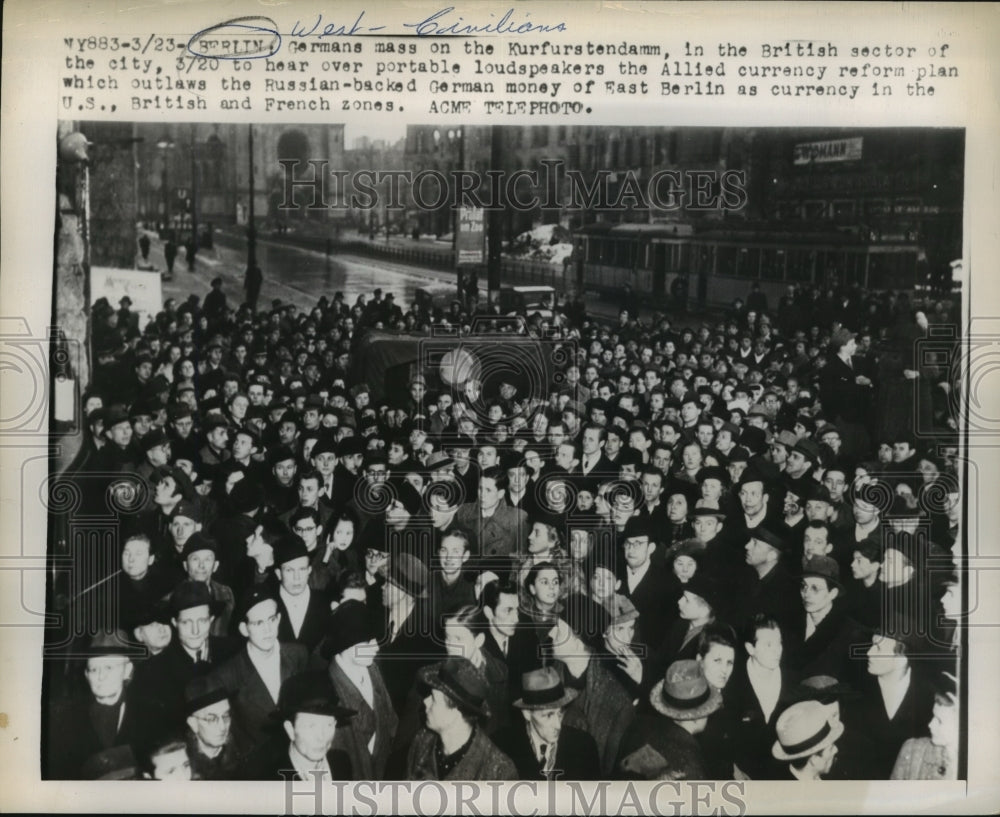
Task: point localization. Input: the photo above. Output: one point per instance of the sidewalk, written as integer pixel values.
(219, 262)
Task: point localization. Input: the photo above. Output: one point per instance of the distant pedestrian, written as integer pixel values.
(192, 248)
(144, 246)
(170, 254)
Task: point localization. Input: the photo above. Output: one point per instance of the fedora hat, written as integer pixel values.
(768, 537)
(111, 642)
(203, 691)
(349, 624)
(311, 692)
(803, 730)
(190, 593)
(409, 574)
(543, 689)
(459, 680)
(684, 694)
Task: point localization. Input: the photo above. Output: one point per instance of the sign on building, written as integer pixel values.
(832, 150)
(471, 236)
(143, 288)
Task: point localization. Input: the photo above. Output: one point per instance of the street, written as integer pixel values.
(292, 274)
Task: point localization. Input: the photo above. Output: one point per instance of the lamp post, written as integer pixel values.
(193, 251)
(251, 229)
(165, 144)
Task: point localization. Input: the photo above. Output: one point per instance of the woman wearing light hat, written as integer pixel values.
(807, 740)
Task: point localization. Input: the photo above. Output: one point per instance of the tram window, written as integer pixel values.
(816, 210)
(799, 266)
(772, 267)
(892, 270)
(853, 265)
(726, 263)
(749, 262)
(843, 210)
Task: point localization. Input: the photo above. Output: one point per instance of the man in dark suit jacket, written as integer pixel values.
(821, 637)
(192, 653)
(542, 746)
(760, 689)
(305, 612)
(896, 703)
(846, 394)
(310, 714)
(112, 714)
(643, 582)
(253, 677)
(347, 654)
(402, 627)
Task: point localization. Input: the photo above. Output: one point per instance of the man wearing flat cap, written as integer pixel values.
(770, 588)
(310, 713)
(543, 746)
(201, 561)
(807, 741)
(211, 746)
(662, 743)
(253, 677)
(453, 745)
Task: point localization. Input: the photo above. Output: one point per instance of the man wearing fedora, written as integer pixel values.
(662, 742)
(305, 612)
(348, 654)
(111, 713)
(310, 714)
(807, 741)
(211, 746)
(253, 677)
(193, 652)
(543, 747)
(643, 581)
(452, 745)
(402, 626)
(821, 635)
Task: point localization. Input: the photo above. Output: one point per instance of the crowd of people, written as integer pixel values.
(711, 551)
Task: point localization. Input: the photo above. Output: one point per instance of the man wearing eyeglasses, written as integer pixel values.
(211, 747)
(253, 677)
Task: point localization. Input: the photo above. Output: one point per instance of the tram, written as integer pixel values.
(711, 266)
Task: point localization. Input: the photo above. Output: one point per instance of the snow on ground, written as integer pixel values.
(547, 242)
